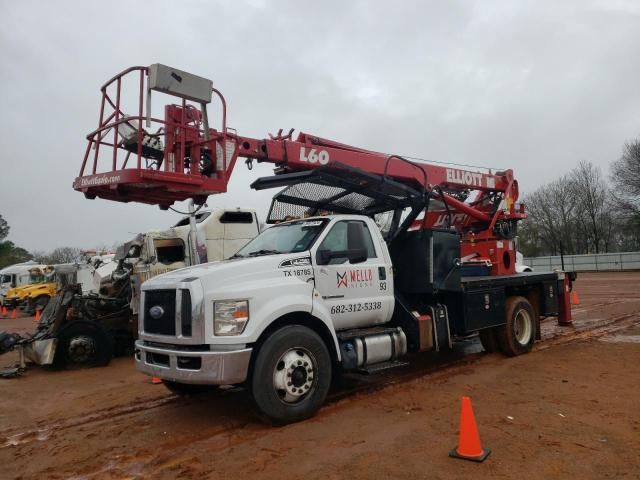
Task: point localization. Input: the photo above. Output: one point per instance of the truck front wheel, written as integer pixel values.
(291, 374)
(517, 335)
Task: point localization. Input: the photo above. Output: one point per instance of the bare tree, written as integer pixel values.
(60, 255)
(580, 213)
(551, 216)
(625, 176)
(591, 194)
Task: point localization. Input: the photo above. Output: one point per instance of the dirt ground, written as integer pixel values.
(570, 409)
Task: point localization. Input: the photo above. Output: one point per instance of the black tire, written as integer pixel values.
(291, 375)
(517, 335)
(187, 388)
(489, 340)
(83, 344)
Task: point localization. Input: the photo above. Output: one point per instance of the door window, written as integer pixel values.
(337, 240)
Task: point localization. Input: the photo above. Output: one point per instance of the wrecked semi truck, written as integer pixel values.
(220, 232)
(87, 327)
(76, 329)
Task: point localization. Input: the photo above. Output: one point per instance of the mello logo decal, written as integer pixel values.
(355, 278)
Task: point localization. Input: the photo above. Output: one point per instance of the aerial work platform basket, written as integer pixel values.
(134, 156)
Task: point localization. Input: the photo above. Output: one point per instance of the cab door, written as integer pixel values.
(352, 277)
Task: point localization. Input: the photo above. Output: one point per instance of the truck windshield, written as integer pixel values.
(290, 237)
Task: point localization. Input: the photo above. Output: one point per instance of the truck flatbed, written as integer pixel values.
(517, 279)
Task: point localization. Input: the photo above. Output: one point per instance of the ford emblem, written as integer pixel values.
(156, 312)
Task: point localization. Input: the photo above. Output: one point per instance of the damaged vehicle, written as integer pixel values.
(46, 281)
(94, 315)
(78, 329)
(17, 275)
(219, 233)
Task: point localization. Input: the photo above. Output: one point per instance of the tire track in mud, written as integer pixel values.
(44, 430)
(606, 327)
(243, 427)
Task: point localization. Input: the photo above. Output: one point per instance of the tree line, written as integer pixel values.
(9, 252)
(586, 210)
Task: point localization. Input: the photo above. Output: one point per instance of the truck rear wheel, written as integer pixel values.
(517, 335)
(83, 344)
(291, 374)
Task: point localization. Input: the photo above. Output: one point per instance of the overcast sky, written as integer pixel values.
(533, 86)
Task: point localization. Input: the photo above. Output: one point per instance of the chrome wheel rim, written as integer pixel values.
(522, 327)
(294, 375)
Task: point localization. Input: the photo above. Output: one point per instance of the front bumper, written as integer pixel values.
(194, 367)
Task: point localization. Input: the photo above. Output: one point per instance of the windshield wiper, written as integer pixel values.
(264, 252)
(237, 255)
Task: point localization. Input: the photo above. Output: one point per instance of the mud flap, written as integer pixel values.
(41, 352)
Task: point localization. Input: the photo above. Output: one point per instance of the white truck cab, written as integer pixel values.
(200, 324)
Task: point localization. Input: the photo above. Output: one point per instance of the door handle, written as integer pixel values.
(382, 273)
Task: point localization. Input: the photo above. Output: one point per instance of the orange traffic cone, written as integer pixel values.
(37, 314)
(156, 380)
(574, 298)
(469, 447)
(15, 313)
(4, 311)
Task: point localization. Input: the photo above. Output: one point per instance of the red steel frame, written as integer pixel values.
(124, 183)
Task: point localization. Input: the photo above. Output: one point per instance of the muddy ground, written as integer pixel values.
(570, 409)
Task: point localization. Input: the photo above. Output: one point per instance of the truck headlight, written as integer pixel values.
(230, 317)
